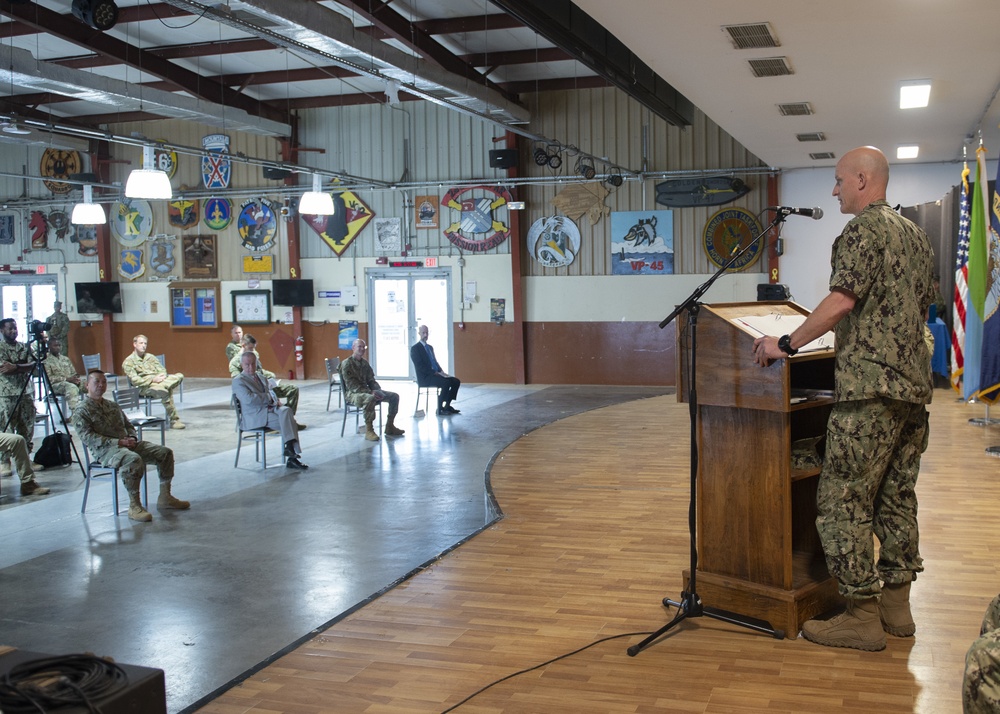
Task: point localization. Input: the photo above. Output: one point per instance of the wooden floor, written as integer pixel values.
(595, 535)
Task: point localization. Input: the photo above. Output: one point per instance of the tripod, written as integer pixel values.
(38, 355)
(689, 604)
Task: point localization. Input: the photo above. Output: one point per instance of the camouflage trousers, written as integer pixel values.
(70, 391)
(290, 394)
(981, 686)
(21, 421)
(164, 391)
(867, 486)
(368, 403)
(131, 464)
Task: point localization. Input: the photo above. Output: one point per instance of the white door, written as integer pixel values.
(399, 301)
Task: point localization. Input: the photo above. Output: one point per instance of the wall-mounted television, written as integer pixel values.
(98, 297)
(297, 293)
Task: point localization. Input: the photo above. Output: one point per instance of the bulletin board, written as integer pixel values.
(194, 305)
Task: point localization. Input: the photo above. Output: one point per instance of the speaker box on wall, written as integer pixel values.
(503, 158)
(276, 174)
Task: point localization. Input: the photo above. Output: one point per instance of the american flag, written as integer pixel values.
(961, 287)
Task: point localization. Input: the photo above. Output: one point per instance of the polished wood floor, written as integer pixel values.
(595, 535)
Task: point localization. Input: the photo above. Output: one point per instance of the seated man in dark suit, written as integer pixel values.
(429, 373)
(260, 407)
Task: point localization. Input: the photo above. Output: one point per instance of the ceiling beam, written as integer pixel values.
(489, 59)
(71, 30)
(567, 26)
(201, 49)
(420, 41)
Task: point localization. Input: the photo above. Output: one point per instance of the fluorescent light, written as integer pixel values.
(914, 94)
(88, 213)
(315, 202)
(148, 183)
(907, 152)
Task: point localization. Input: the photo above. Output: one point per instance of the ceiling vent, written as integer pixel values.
(814, 136)
(770, 67)
(795, 109)
(752, 36)
(822, 155)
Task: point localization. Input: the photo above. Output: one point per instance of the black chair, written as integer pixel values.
(258, 434)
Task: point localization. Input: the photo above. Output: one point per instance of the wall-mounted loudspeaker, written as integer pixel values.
(276, 174)
(503, 158)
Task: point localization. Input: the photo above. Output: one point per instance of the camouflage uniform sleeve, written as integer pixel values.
(235, 367)
(100, 428)
(855, 252)
(353, 376)
(232, 349)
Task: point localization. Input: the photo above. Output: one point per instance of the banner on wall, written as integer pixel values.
(350, 216)
(642, 243)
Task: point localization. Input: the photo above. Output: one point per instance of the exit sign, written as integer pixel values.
(431, 263)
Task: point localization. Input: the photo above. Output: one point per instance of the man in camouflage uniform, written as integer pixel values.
(981, 686)
(13, 447)
(62, 374)
(880, 289)
(60, 326)
(234, 348)
(110, 436)
(363, 391)
(145, 372)
(17, 413)
(288, 392)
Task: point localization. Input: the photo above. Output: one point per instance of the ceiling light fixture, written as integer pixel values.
(315, 202)
(914, 94)
(88, 213)
(13, 128)
(148, 183)
(907, 152)
(99, 14)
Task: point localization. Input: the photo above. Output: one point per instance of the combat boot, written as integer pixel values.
(167, 499)
(135, 510)
(894, 610)
(370, 432)
(858, 628)
(391, 429)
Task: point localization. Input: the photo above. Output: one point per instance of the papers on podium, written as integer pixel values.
(776, 325)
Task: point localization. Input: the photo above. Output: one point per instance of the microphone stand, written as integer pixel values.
(689, 604)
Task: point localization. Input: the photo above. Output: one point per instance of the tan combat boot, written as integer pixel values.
(391, 429)
(135, 510)
(370, 432)
(894, 610)
(167, 500)
(858, 628)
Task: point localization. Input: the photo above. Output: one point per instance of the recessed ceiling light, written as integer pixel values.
(914, 94)
(907, 152)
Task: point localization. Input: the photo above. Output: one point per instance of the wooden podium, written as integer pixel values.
(758, 549)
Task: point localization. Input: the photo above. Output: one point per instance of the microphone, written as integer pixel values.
(814, 213)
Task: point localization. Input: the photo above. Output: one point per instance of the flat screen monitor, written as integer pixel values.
(98, 297)
(297, 293)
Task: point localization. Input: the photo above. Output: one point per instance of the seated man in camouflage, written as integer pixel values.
(110, 436)
(62, 374)
(981, 686)
(15, 448)
(288, 392)
(365, 392)
(145, 372)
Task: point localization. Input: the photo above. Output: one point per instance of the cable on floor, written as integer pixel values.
(543, 664)
(41, 685)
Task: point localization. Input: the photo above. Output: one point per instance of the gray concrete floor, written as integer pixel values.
(263, 559)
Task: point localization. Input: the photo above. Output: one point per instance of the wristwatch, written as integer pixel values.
(785, 345)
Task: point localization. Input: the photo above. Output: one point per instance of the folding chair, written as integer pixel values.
(94, 362)
(333, 376)
(358, 411)
(129, 400)
(258, 434)
(95, 469)
(426, 389)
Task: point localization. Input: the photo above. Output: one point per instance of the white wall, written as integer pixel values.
(805, 266)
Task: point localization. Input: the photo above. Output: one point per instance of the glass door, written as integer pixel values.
(400, 301)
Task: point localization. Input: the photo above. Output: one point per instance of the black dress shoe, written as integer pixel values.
(294, 463)
(443, 412)
(452, 410)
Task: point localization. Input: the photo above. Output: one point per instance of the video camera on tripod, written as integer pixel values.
(36, 333)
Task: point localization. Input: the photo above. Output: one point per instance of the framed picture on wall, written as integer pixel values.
(252, 307)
